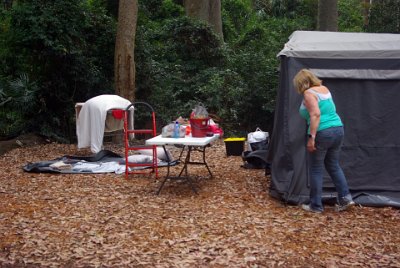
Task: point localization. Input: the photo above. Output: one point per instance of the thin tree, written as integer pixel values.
(7, 4)
(124, 60)
(367, 9)
(206, 10)
(328, 15)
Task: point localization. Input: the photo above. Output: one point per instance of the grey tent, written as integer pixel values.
(362, 70)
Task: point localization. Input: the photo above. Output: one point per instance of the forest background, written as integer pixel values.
(56, 53)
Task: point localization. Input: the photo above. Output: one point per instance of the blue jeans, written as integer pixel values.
(328, 143)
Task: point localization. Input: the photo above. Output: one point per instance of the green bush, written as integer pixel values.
(65, 51)
(18, 101)
(66, 47)
(178, 58)
(384, 17)
(350, 17)
(183, 62)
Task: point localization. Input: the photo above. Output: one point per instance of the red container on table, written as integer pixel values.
(199, 127)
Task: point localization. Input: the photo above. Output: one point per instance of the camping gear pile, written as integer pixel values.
(256, 155)
(199, 125)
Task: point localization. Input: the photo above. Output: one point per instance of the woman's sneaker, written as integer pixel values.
(307, 207)
(344, 205)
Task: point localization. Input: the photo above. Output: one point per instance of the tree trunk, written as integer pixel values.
(206, 10)
(124, 61)
(7, 4)
(366, 7)
(328, 15)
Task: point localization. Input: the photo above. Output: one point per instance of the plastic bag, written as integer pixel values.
(199, 112)
(168, 131)
(257, 140)
(215, 128)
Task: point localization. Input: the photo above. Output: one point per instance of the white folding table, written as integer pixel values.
(192, 143)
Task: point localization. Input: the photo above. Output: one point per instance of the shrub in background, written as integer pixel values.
(67, 49)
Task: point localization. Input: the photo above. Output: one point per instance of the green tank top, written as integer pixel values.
(329, 118)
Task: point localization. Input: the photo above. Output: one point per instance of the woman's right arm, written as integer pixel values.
(311, 103)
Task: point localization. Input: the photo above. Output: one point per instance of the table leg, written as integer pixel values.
(168, 167)
(188, 161)
(186, 177)
(184, 169)
(205, 163)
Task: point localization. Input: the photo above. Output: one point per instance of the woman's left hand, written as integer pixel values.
(311, 145)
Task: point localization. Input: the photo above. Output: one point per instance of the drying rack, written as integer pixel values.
(139, 168)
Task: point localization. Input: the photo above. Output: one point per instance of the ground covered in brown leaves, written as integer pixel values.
(105, 220)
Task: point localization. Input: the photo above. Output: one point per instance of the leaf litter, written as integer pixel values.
(106, 220)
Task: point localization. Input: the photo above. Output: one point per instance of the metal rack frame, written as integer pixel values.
(127, 132)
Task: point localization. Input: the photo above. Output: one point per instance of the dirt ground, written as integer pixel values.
(106, 220)
(20, 141)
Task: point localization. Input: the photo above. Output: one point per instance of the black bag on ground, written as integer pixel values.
(260, 145)
(255, 159)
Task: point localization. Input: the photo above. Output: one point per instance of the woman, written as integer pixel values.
(325, 138)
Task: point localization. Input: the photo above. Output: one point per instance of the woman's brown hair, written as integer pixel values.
(304, 80)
